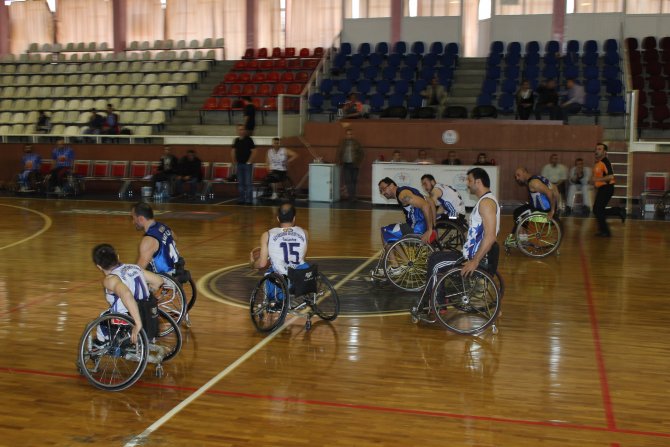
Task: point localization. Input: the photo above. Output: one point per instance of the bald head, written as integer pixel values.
(521, 175)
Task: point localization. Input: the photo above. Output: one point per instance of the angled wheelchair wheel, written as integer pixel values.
(465, 305)
(326, 303)
(168, 341)
(171, 298)
(116, 363)
(190, 292)
(537, 236)
(450, 236)
(406, 262)
(269, 303)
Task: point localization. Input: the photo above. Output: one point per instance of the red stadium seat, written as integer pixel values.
(276, 52)
(249, 54)
(318, 52)
(289, 52)
(304, 52)
(210, 104)
(273, 76)
(262, 53)
(265, 65)
(264, 90)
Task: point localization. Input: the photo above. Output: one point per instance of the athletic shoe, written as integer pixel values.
(378, 273)
(510, 241)
(397, 271)
(274, 196)
(97, 347)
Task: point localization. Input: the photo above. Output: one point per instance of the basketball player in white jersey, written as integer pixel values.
(447, 200)
(282, 247)
(278, 159)
(480, 247)
(127, 288)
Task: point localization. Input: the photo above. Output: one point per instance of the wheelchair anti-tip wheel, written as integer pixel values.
(269, 303)
(171, 298)
(465, 305)
(537, 236)
(116, 363)
(406, 262)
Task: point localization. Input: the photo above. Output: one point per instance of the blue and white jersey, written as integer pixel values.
(413, 216)
(476, 227)
(287, 248)
(63, 156)
(165, 258)
(31, 162)
(131, 275)
(538, 200)
(450, 201)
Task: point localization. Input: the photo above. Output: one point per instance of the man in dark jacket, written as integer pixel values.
(189, 170)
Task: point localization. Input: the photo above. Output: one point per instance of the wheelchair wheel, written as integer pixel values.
(662, 207)
(450, 236)
(190, 292)
(537, 236)
(405, 263)
(171, 298)
(269, 303)
(465, 305)
(168, 342)
(326, 303)
(116, 364)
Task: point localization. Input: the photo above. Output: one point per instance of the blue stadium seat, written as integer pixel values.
(509, 86)
(419, 86)
(572, 46)
(370, 72)
(389, 73)
(418, 48)
(611, 45)
(353, 73)
(400, 47)
(497, 47)
(344, 86)
(610, 72)
(345, 48)
(612, 58)
(375, 59)
(336, 101)
(550, 72)
(339, 61)
(493, 72)
(414, 102)
(506, 103)
(445, 73)
(489, 86)
(407, 73)
(532, 47)
(452, 48)
(570, 71)
(514, 48)
(512, 72)
(512, 58)
(550, 59)
(436, 48)
(396, 101)
(531, 72)
(552, 47)
(532, 59)
(591, 72)
(592, 87)
(326, 86)
(394, 60)
(591, 105)
(364, 86)
(427, 73)
(616, 105)
(590, 59)
(364, 49)
(590, 46)
(357, 60)
(411, 60)
(448, 60)
(382, 48)
(429, 60)
(614, 87)
(484, 99)
(493, 59)
(316, 103)
(383, 87)
(401, 87)
(376, 103)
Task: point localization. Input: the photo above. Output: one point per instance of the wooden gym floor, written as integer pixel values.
(581, 359)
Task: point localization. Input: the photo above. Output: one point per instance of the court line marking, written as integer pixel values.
(363, 407)
(47, 224)
(139, 439)
(595, 334)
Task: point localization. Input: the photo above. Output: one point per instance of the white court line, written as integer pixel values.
(139, 439)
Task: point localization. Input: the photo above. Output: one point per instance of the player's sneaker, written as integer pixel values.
(510, 241)
(397, 271)
(378, 273)
(97, 347)
(274, 196)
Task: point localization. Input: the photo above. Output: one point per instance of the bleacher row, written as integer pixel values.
(600, 75)
(650, 72)
(128, 173)
(387, 77)
(143, 93)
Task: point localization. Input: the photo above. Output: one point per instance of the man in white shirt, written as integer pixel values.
(278, 159)
(557, 174)
(579, 180)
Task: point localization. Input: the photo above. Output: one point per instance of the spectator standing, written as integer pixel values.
(278, 159)
(350, 156)
(243, 156)
(167, 169)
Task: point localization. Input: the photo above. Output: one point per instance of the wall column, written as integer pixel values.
(4, 29)
(558, 22)
(251, 24)
(119, 25)
(396, 21)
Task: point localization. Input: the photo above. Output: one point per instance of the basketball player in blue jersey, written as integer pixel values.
(480, 248)
(127, 289)
(158, 249)
(31, 163)
(541, 197)
(448, 202)
(419, 214)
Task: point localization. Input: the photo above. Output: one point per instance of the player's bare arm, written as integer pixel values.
(114, 283)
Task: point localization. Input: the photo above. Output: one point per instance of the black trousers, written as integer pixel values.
(600, 210)
(350, 176)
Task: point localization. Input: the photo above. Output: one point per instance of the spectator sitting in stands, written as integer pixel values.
(435, 96)
(574, 99)
(557, 174)
(451, 159)
(43, 123)
(483, 161)
(111, 125)
(547, 100)
(353, 108)
(167, 169)
(397, 157)
(189, 170)
(525, 100)
(423, 158)
(95, 123)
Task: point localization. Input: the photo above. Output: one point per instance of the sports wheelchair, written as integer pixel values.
(536, 235)
(464, 305)
(178, 294)
(451, 233)
(285, 191)
(73, 185)
(403, 263)
(117, 363)
(303, 292)
(34, 184)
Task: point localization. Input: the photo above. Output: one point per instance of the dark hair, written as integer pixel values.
(428, 176)
(480, 174)
(190, 151)
(386, 180)
(105, 256)
(247, 98)
(286, 213)
(578, 159)
(603, 145)
(143, 209)
(480, 154)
